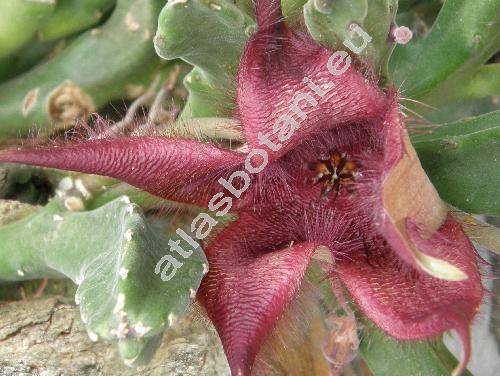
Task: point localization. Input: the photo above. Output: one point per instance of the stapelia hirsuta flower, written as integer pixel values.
(329, 164)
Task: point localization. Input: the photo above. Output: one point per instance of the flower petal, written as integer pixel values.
(409, 304)
(249, 286)
(279, 69)
(408, 197)
(180, 170)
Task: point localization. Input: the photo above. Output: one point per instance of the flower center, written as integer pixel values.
(334, 173)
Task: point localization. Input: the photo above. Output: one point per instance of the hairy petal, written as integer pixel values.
(408, 196)
(409, 304)
(267, 13)
(174, 169)
(271, 78)
(249, 285)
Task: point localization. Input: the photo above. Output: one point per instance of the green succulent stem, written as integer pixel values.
(330, 22)
(31, 54)
(463, 37)
(19, 21)
(388, 357)
(71, 16)
(99, 66)
(462, 161)
(115, 256)
(484, 82)
(214, 49)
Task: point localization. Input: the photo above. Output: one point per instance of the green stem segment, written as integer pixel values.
(117, 260)
(100, 65)
(462, 161)
(463, 37)
(19, 21)
(213, 47)
(71, 16)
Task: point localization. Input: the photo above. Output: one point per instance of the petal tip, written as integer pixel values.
(463, 332)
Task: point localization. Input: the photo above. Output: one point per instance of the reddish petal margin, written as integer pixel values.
(175, 169)
(247, 289)
(272, 70)
(407, 195)
(409, 304)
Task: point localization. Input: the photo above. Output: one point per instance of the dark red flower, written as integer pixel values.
(329, 164)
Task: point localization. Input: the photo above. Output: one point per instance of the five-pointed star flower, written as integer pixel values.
(329, 164)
